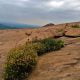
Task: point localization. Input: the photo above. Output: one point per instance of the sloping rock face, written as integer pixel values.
(51, 66)
(60, 65)
(73, 32)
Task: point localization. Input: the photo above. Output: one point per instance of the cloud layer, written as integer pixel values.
(39, 11)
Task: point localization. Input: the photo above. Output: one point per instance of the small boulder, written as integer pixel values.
(73, 32)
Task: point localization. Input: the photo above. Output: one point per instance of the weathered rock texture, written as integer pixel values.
(73, 32)
(59, 65)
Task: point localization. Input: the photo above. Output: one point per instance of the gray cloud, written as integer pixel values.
(39, 11)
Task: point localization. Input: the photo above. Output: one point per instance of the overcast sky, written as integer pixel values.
(39, 11)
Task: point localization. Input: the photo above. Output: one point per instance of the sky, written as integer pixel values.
(39, 11)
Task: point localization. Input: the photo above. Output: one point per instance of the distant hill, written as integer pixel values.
(2, 26)
(49, 25)
(15, 26)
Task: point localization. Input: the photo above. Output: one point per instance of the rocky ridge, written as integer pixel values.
(59, 65)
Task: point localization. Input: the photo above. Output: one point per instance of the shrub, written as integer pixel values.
(37, 46)
(20, 62)
(52, 44)
(47, 45)
(40, 48)
(76, 26)
(59, 44)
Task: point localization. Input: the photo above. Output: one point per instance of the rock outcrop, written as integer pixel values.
(59, 65)
(73, 32)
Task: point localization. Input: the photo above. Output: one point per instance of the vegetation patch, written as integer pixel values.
(22, 60)
(76, 26)
(52, 44)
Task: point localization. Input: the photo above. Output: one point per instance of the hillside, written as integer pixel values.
(2, 26)
(59, 65)
(15, 26)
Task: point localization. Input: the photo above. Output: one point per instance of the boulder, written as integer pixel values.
(73, 32)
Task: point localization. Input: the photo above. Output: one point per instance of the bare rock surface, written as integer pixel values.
(73, 32)
(59, 65)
